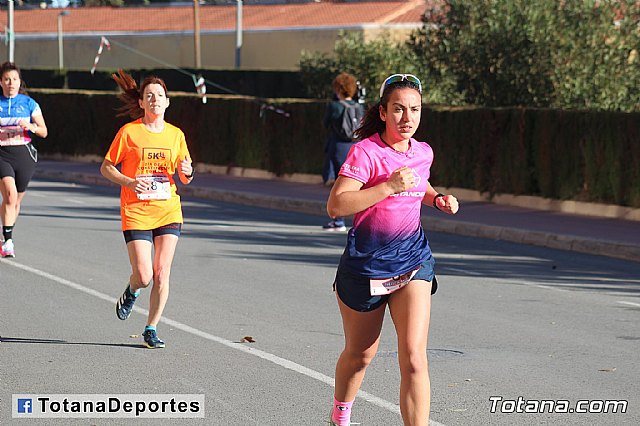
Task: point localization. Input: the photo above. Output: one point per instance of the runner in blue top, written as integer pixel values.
(387, 261)
(20, 117)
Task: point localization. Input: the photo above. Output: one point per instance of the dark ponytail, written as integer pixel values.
(371, 123)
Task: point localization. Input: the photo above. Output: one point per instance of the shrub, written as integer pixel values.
(533, 53)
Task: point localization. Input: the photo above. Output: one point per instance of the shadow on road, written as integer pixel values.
(283, 237)
(64, 342)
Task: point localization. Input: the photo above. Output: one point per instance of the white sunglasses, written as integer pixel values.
(397, 78)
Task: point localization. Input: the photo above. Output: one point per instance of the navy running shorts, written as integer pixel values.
(353, 290)
(149, 235)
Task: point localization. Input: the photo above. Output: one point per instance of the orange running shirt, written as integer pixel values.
(142, 152)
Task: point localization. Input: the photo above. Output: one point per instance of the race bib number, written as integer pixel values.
(381, 287)
(159, 187)
(12, 135)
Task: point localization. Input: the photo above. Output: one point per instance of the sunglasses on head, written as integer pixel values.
(397, 78)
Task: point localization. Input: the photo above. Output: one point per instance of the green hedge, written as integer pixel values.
(580, 155)
(259, 83)
(229, 130)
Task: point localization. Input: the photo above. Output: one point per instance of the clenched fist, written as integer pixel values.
(401, 179)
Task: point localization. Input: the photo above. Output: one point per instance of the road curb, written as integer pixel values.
(450, 226)
(256, 200)
(535, 238)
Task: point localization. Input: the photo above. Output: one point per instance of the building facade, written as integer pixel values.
(273, 37)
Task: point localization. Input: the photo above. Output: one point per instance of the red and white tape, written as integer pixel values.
(103, 42)
(201, 88)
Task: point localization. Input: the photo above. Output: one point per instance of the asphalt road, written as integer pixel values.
(510, 322)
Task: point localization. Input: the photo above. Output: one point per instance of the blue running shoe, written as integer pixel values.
(151, 340)
(124, 305)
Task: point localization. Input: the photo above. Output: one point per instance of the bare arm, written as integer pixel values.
(109, 170)
(348, 198)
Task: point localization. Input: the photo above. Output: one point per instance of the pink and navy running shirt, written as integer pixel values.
(387, 239)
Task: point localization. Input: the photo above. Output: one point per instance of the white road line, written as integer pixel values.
(270, 235)
(332, 246)
(485, 257)
(462, 271)
(546, 287)
(282, 362)
(73, 200)
(629, 303)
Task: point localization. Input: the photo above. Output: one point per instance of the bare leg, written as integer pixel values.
(410, 309)
(10, 206)
(20, 198)
(165, 248)
(362, 336)
(141, 266)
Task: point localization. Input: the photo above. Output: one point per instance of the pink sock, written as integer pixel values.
(341, 414)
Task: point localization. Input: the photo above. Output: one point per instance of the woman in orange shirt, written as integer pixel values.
(150, 151)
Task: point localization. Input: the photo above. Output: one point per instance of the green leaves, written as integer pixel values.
(580, 54)
(370, 62)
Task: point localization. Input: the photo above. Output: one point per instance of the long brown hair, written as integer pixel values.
(11, 66)
(371, 122)
(131, 94)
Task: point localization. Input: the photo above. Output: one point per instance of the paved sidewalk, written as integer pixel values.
(586, 234)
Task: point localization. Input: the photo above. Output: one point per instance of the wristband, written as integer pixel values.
(435, 206)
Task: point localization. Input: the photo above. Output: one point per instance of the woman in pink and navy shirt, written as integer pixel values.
(387, 260)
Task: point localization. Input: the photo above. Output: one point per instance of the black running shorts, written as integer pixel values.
(15, 161)
(150, 234)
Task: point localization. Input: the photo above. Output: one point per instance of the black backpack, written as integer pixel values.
(349, 122)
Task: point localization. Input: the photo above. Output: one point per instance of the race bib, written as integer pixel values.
(159, 187)
(381, 287)
(12, 135)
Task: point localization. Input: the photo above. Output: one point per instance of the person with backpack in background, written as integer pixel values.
(341, 119)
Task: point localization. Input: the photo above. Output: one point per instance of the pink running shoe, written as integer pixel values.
(7, 249)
